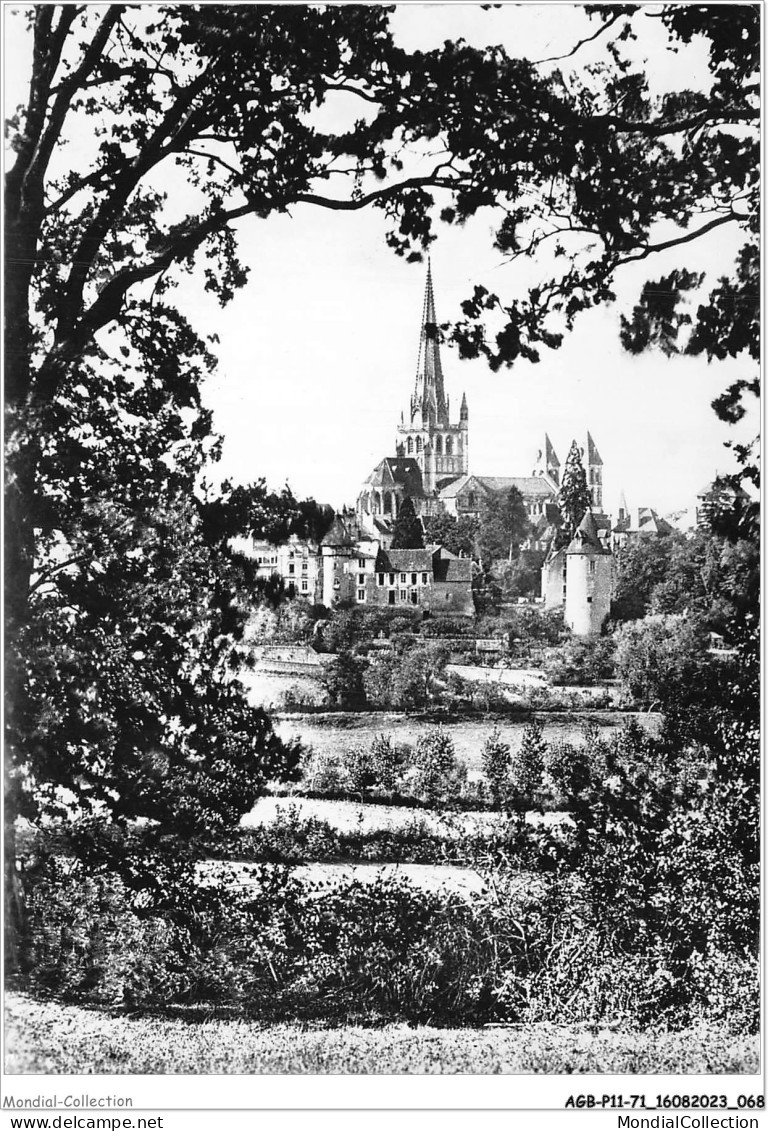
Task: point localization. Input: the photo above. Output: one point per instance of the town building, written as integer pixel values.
(295, 562)
(364, 572)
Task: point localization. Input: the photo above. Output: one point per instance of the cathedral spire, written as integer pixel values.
(429, 391)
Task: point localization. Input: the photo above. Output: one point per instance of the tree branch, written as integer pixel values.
(48, 574)
(687, 238)
(353, 90)
(581, 43)
(211, 157)
(377, 194)
(69, 86)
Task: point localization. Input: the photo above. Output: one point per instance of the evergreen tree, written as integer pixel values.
(407, 533)
(574, 493)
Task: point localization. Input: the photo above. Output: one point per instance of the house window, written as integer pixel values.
(414, 578)
(592, 567)
(304, 567)
(291, 568)
(361, 594)
(403, 594)
(361, 579)
(391, 579)
(414, 596)
(381, 579)
(423, 579)
(304, 586)
(361, 563)
(290, 554)
(589, 600)
(403, 578)
(391, 596)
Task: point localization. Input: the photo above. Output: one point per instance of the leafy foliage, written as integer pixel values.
(457, 534)
(504, 525)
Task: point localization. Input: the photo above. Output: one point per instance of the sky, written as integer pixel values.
(317, 354)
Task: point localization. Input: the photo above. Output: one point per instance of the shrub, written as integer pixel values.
(497, 758)
(527, 764)
(569, 771)
(361, 769)
(326, 773)
(440, 776)
(387, 760)
(581, 662)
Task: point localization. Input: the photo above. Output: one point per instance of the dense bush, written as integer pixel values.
(373, 952)
(581, 662)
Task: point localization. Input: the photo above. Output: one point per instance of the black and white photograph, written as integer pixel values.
(382, 557)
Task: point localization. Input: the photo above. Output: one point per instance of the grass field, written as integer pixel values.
(45, 1037)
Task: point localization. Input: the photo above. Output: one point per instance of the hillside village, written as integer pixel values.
(356, 564)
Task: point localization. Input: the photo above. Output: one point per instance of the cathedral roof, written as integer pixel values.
(456, 486)
(399, 471)
(407, 473)
(532, 486)
(527, 485)
(586, 540)
(550, 456)
(592, 455)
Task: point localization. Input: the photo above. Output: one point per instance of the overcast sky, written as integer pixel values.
(318, 352)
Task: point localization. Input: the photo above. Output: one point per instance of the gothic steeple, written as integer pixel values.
(429, 392)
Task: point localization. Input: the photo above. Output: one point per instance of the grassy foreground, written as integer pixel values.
(46, 1037)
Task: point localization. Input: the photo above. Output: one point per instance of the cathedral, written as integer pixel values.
(431, 461)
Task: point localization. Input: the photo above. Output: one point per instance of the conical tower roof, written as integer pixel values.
(338, 535)
(429, 391)
(586, 540)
